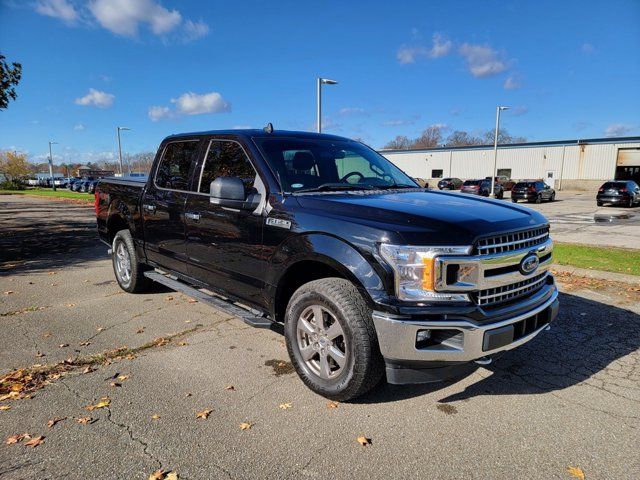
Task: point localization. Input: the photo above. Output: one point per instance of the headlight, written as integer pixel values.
(416, 271)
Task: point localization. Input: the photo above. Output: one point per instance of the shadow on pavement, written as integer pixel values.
(586, 338)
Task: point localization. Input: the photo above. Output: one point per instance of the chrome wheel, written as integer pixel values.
(321, 342)
(123, 263)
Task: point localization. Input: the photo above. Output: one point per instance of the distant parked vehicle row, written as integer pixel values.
(532, 191)
(453, 183)
(482, 187)
(619, 192)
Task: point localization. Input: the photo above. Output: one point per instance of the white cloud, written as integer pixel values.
(512, 83)
(157, 113)
(618, 130)
(193, 104)
(57, 9)
(96, 98)
(482, 60)
(441, 47)
(398, 123)
(351, 111)
(79, 126)
(123, 17)
(587, 48)
(194, 30)
(520, 110)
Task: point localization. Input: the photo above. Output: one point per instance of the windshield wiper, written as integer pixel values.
(326, 187)
(396, 186)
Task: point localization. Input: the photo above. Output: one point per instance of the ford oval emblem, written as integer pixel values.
(529, 264)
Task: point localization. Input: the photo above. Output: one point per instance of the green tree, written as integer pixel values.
(10, 76)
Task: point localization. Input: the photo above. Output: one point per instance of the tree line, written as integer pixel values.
(433, 136)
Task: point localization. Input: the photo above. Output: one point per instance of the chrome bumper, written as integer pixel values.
(397, 337)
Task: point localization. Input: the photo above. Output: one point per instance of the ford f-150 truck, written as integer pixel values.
(368, 274)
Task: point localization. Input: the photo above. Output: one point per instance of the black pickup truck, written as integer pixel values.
(369, 274)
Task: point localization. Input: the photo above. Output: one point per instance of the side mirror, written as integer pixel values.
(229, 192)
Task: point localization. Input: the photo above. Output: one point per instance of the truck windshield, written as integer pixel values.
(304, 165)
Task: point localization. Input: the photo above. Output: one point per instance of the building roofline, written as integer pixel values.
(579, 141)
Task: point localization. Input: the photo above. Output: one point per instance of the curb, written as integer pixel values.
(597, 274)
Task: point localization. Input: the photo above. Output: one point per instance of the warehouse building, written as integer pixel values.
(565, 165)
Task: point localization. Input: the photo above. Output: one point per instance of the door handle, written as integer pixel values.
(192, 216)
(149, 208)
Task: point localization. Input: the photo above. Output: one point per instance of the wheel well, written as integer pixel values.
(296, 276)
(114, 225)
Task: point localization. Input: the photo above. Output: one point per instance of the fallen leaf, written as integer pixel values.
(34, 442)
(84, 420)
(364, 441)
(122, 378)
(8, 292)
(204, 414)
(140, 330)
(161, 342)
(5, 407)
(182, 344)
(52, 422)
(103, 403)
(171, 476)
(332, 404)
(115, 384)
(55, 376)
(246, 425)
(188, 394)
(157, 475)
(169, 298)
(71, 305)
(63, 345)
(100, 329)
(47, 334)
(39, 355)
(285, 406)
(16, 438)
(230, 387)
(88, 370)
(155, 417)
(85, 344)
(52, 273)
(187, 321)
(192, 300)
(576, 472)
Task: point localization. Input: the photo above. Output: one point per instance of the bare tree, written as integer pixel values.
(460, 138)
(503, 138)
(399, 143)
(429, 138)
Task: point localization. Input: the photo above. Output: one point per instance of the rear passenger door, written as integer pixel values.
(164, 201)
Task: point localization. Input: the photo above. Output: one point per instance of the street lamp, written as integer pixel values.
(495, 151)
(53, 182)
(321, 81)
(120, 150)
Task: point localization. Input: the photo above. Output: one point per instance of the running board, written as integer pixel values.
(249, 317)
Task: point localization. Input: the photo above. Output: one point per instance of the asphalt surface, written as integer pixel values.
(569, 398)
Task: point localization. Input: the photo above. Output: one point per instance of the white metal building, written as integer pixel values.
(566, 164)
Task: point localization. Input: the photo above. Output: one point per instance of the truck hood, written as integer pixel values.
(425, 217)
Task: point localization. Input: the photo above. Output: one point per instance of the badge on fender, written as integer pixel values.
(278, 222)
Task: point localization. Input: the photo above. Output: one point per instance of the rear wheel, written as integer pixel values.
(126, 264)
(514, 200)
(630, 205)
(599, 203)
(331, 339)
(538, 199)
(553, 197)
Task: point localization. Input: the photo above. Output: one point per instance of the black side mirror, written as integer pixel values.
(229, 192)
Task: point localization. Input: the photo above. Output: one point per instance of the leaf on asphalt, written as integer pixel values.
(103, 403)
(204, 413)
(39, 355)
(100, 329)
(55, 376)
(332, 404)
(162, 475)
(188, 394)
(52, 273)
(160, 342)
(88, 369)
(84, 420)
(364, 441)
(85, 344)
(192, 300)
(122, 378)
(140, 330)
(285, 406)
(53, 421)
(17, 438)
(115, 384)
(70, 305)
(576, 472)
(47, 334)
(246, 425)
(169, 298)
(155, 416)
(182, 344)
(34, 442)
(230, 387)
(5, 407)
(8, 292)
(63, 345)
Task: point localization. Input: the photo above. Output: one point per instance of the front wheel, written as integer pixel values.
(514, 200)
(126, 264)
(331, 339)
(553, 197)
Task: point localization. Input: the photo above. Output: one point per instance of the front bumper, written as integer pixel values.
(455, 342)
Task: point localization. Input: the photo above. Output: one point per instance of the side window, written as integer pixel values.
(436, 173)
(226, 159)
(173, 171)
(504, 172)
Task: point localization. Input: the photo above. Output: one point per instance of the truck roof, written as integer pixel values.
(258, 132)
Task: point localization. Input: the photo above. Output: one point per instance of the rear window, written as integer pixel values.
(609, 185)
(524, 184)
(472, 182)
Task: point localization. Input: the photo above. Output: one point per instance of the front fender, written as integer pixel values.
(333, 252)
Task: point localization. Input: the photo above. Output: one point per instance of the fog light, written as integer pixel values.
(423, 335)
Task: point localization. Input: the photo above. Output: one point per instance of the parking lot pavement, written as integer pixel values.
(569, 398)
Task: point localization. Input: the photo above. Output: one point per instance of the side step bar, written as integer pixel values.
(248, 316)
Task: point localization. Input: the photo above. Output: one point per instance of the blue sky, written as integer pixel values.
(567, 69)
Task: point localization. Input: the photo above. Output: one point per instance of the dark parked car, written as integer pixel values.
(450, 184)
(482, 187)
(506, 182)
(367, 274)
(532, 191)
(91, 186)
(619, 192)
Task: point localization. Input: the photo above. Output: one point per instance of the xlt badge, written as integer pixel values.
(278, 222)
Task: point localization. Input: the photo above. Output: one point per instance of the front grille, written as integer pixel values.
(512, 241)
(493, 296)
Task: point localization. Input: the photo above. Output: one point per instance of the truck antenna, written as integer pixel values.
(268, 128)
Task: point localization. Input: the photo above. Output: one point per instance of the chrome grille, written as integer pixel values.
(512, 241)
(492, 296)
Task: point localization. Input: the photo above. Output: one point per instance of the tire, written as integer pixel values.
(344, 313)
(599, 203)
(539, 199)
(131, 280)
(514, 200)
(501, 195)
(630, 205)
(552, 198)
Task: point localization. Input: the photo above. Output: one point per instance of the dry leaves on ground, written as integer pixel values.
(63, 345)
(115, 384)
(17, 438)
(122, 378)
(333, 404)
(84, 420)
(103, 403)
(246, 425)
(204, 413)
(364, 441)
(155, 416)
(162, 475)
(230, 388)
(34, 442)
(285, 406)
(53, 421)
(160, 342)
(576, 472)
(85, 344)
(5, 407)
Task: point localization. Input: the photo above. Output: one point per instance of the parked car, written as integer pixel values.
(91, 186)
(532, 191)
(450, 184)
(506, 182)
(364, 280)
(72, 181)
(619, 192)
(482, 187)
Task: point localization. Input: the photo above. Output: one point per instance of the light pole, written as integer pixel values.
(495, 151)
(53, 182)
(321, 81)
(120, 149)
